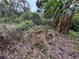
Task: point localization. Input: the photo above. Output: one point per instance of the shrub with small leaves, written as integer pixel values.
(25, 25)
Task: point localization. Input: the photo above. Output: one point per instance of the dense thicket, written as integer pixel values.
(61, 12)
(59, 15)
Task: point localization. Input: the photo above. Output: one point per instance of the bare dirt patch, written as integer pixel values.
(15, 44)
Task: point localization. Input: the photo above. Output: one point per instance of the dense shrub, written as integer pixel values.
(26, 16)
(76, 16)
(75, 25)
(73, 34)
(25, 25)
(36, 18)
(46, 21)
(75, 22)
(9, 19)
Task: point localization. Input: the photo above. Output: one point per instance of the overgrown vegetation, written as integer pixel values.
(52, 17)
(42, 34)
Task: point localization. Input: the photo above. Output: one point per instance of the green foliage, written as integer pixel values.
(45, 21)
(36, 18)
(39, 28)
(51, 7)
(74, 34)
(75, 26)
(27, 20)
(9, 19)
(76, 16)
(26, 16)
(25, 25)
(75, 22)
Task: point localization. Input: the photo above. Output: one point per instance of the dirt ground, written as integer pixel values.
(16, 44)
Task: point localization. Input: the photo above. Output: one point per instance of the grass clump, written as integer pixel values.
(73, 34)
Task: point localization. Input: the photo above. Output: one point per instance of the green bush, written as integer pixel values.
(46, 22)
(75, 22)
(73, 34)
(26, 16)
(25, 25)
(36, 18)
(8, 19)
(76, 17)
(17, 20)
(75, 26)
(36, 28)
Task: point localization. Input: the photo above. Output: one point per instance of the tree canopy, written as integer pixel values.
(61, 12)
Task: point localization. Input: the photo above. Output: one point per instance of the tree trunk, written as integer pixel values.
(66, 22)
(64, 18)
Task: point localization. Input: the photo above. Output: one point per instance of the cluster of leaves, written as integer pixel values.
(75, 22)
(50, 7)
(25, 25)
(74, 34)
(26, 20)
(10, 19)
